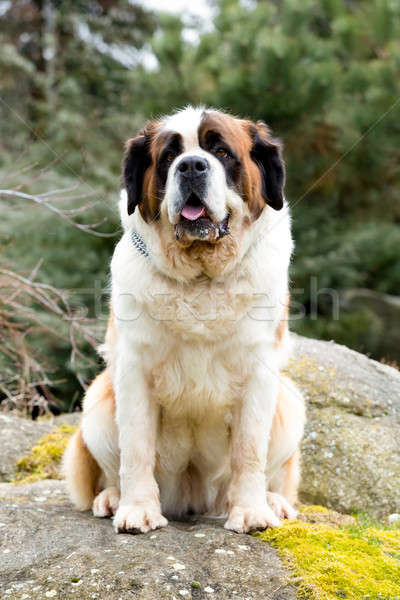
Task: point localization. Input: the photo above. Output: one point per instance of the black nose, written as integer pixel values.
(193, 166)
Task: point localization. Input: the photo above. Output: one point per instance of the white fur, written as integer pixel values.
(195, 358)
(215, 202)
(197, 374)
(186, 122)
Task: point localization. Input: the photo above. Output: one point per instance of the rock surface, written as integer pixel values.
(351, 448)
(17, 436)
(49, 550)
(351, 460)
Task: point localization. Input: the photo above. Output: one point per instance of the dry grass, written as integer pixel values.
(29, 308)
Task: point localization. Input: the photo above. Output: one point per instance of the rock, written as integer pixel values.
(49, 550)
(320, 514)
(351, 448)
(45, 458)
(18, 435)
(351, 461)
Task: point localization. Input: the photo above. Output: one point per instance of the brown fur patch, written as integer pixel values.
(201, 257)
(283, 324)
(152, 194)
(82, 472)
(150, 202)
(239, 134)
(105, 392)
(150, 208)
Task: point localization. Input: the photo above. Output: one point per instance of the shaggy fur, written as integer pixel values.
(191, 413)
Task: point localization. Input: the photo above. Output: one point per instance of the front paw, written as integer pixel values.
(247, 518)
(281, 506)
(136, 518)
(106, 503)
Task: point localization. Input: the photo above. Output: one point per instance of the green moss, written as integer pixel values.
(195, 585)
(44, 458)
(354, 561)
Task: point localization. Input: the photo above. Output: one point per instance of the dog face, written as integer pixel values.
(201, 171)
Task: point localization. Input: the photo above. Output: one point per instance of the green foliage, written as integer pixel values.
(76, 81)
(71, 94)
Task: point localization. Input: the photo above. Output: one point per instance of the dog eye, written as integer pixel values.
(170, 156)
(221, 153)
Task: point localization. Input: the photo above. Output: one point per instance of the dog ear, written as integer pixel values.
(267, 154)
(136, 160)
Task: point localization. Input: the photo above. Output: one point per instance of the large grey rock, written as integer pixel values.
(48, 550)
(18, 435)
(351, 460)
(351, 448)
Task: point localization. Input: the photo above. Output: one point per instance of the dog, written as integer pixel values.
(191, 414)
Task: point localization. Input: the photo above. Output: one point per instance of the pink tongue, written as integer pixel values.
(193, 212)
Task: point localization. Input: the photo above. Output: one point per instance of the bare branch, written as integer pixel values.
(31, 310)
(65, 214)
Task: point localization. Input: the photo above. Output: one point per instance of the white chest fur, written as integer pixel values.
(194, 340)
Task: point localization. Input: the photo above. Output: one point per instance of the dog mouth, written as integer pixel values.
(196, 223)
(194, 209)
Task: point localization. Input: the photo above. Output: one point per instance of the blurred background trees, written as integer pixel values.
(78, 77)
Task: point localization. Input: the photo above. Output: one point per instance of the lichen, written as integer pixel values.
(321, 514)
(319, 382)
(43, 461)
(323, 387)
(357, 561)
(310, 508)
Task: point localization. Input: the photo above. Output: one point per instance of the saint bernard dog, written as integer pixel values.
(191, 414)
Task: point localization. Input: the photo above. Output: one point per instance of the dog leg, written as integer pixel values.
(283, 452)
(139, 509)
(252, 421)
(92, 456)
(99, 432)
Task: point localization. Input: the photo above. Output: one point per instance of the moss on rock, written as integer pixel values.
(359, 560)
(321, 514)
(309, 509)
(44, 459)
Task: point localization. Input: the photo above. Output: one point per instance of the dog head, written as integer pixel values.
(203, 174)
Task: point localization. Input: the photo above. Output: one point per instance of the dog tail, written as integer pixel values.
(81, 471)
